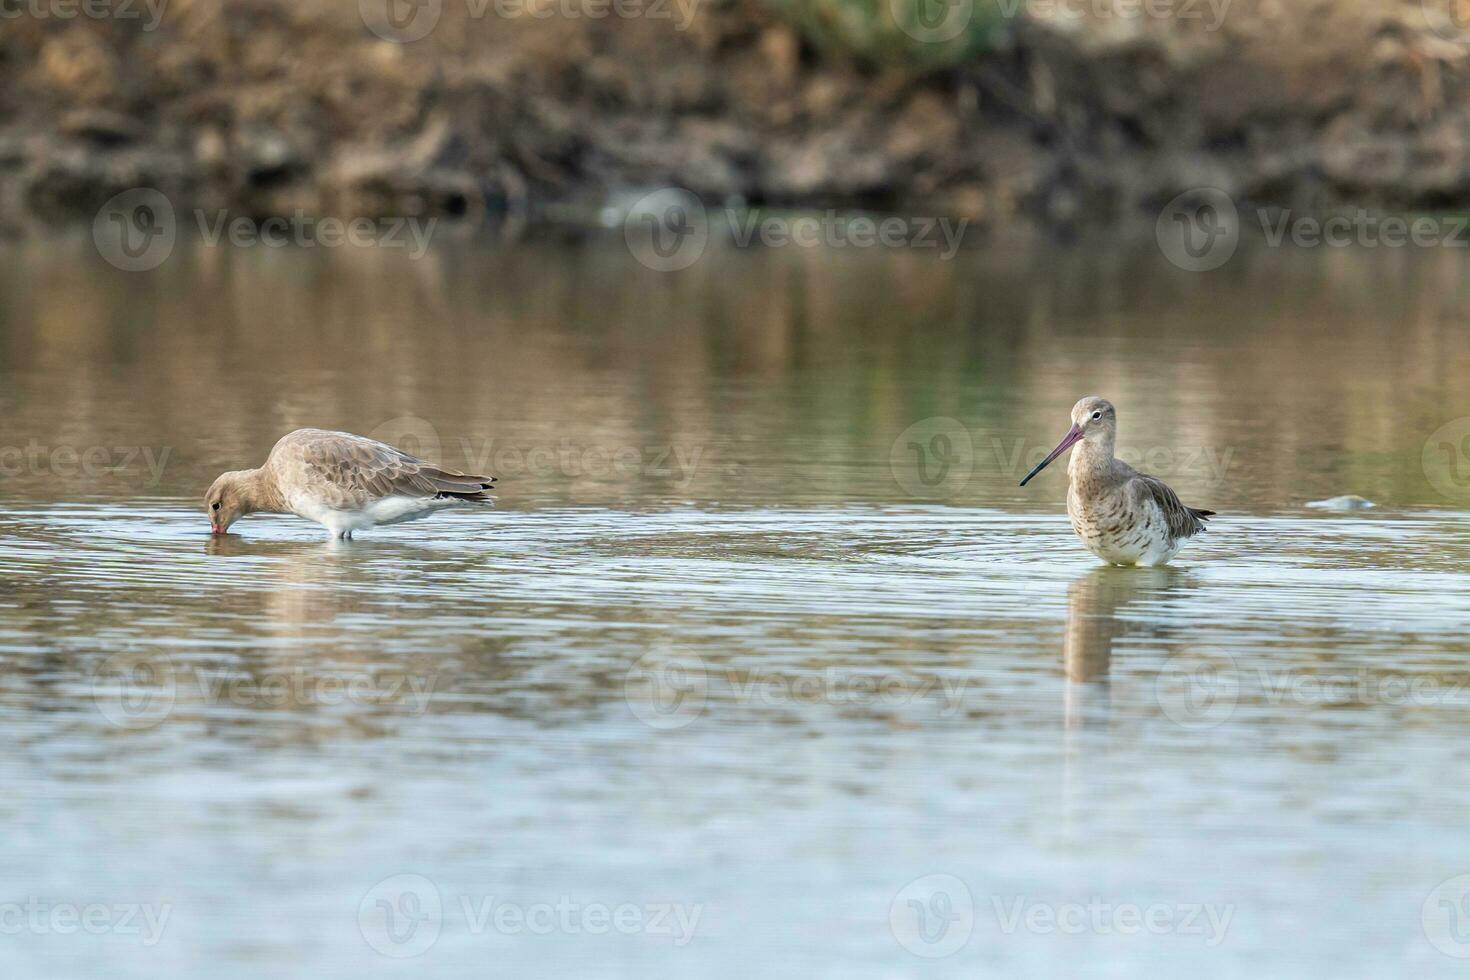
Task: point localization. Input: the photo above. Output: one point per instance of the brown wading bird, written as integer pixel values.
(344, 482)
(1123, 516)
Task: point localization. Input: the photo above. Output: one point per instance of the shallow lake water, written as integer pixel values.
(763, 665)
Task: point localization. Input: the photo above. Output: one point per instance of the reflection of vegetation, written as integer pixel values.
(918, 35)
(793, 369)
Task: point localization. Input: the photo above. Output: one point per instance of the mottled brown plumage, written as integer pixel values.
(344, 482)
(1123, 516)
(350, 471)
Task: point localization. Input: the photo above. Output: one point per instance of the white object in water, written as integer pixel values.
(1348, 501)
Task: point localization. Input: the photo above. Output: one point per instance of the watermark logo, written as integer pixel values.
(666, 689)
(1445, 917)
(667, 230)
(135, 231)
(932, 456)
(400, 21)
(1446, 459)
(932, 21)
(1450, 19)
(933, 916)
(134, 690)
(411, 434)
(401, 916)
(1198, 230)
(1198, 693)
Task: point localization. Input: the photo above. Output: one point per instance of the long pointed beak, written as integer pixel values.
(1073, 434)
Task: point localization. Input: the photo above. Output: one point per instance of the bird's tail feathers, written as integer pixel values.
(459, 486)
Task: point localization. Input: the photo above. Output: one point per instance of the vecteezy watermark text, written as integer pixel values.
(136, 690)
(940, 455)
(669, 229)
(935, 915)
(942, 21)
(1202, 689)
(1365, 230)
(668, 689)
(1211, 13)
(41, 916)
(511, 460)
(1099, 917)
(82, 462)
(152, 10)
(406, 21)
(831, 229)
(136, 231)
(1201, 229)
(403, 915)
(305, 231)
(678, 463)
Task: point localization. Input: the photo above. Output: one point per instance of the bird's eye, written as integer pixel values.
(1096, 415)
(214, 506)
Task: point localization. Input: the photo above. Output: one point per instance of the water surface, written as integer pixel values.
(763, 665)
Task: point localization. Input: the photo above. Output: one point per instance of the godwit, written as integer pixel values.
(343, 482)
(1123, 516)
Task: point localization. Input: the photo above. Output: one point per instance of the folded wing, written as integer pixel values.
(341, 465)
(1183, 522)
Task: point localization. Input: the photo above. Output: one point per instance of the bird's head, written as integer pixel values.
(225, 503)
(1093, 419)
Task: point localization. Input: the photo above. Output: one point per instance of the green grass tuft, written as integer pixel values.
(914, 35)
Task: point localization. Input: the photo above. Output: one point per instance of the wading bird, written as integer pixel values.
(344, 482)
(1123, 516)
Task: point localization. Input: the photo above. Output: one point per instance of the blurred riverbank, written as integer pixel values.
(527, 112)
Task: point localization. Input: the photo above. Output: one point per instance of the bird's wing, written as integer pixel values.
(352, 469)
(1184, 522)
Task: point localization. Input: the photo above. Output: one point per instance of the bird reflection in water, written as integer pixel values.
(1096, 620)
(1106, 608)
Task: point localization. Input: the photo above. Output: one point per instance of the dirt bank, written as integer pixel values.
(266, 106)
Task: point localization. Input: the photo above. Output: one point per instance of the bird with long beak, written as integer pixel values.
(1123, 516)
(344, 482)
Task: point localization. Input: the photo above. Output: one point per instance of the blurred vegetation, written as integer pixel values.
(914, 35)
